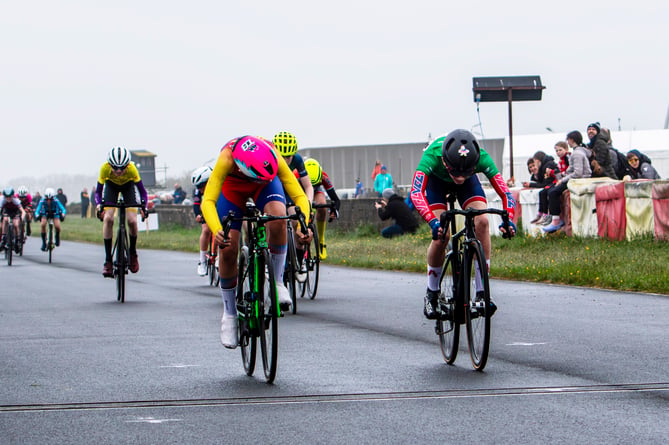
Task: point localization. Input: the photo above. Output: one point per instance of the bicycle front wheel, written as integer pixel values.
(448, 330)
(247, 339)
(269, 330)
(50, 245)
(289, 278)
(477, 305)
(9, 247)
(313, 265)
(120, 266)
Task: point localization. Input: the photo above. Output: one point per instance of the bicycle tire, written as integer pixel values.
(247, 340)
(289, 278)
(313, 265)
(448, 330)
(269, 330)
(9, 245)
(477, 317)
(22, 237)
(50, 244)
(120, 266)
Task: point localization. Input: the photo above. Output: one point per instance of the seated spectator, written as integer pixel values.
(562, 152)
(532, 169)
(619, 161)
(179, 194)
(393, 206)
(600, 161)
(579, 167)
(640, 166)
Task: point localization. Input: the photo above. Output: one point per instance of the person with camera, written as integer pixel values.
(392, 205)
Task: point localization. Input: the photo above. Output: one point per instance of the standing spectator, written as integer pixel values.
(85, 202)
(179, 194)
(640, 166)
(383, 181)
(601, 165)
(579, 167)
(37, 197)
(376, 170)
(359, 188)
(61, 197)
(393, 206)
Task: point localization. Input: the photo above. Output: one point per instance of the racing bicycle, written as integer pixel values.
(311, 263)
(10, 242)
(460, 301)
(212, 262)
(257, 302)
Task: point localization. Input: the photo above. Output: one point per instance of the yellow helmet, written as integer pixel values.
(314, 170)
(286, 143)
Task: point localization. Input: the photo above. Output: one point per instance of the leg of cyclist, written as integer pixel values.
(131, 216)
(321, 221)
(42, 225)
(481, 224)
(56, 225)
(278, 248)
(227, 270)
(107, 235)
(3, 242)
(205, 235)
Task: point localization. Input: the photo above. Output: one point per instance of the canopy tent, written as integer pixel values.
(654, 143)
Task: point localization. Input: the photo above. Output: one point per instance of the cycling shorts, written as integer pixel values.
(236, 191)
(129, 191)
(11, 213)
(466, 193)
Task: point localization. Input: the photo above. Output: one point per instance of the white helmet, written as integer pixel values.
(49, 193)
(200, 176)
(22, 191)
(118, 157)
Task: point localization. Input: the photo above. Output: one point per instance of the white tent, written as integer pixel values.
(654, 143)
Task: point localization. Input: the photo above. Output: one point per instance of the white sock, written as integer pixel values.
(477, 277)
(278, 261)
(433, 275)
(203, 256)
(555, 220)
(229, 301)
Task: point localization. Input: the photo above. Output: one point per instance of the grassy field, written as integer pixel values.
(641, 265)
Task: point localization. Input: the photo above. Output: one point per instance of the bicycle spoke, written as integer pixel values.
(478, 306)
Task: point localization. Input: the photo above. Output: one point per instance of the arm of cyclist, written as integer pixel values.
(143, 196)
(223, 167)
(330, 190)
(293, 188)
(419, 201)
(499, 184)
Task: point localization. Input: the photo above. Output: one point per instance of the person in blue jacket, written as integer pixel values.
(50, 207)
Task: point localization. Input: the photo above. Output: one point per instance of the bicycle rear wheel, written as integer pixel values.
(313, 264)
(269, 330)
(120, 266)
(477, 306)
(448, 330)
(9, 248)
(289, 278)
(247, 339)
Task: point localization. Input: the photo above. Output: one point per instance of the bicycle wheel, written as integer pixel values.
(477, 308)
(247, 340)
(269, 330)
(121, 264)
(313, 265)
(49, 246)
(9, 249)
(448, 330)
(289, 278)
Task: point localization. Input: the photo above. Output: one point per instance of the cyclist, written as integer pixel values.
(286, 144)
(11, 210)
(449, 164)
(199, 179)
(27, 203)
(248, 167)
(322, 184)
(50, 207)
(119, 175)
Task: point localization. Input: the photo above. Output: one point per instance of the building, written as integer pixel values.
(146, 164)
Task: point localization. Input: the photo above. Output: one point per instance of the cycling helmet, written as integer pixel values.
(49, 193)
(200, 176)
(255, 158)
(8, 192)
(22, 191)
(314, 170)
(460, 153)
(118, 157)
(286, 143)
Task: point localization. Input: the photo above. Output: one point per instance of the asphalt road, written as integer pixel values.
(359, 364)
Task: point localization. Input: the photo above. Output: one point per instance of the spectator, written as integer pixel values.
(179, 194)
(393, 206)
(532, 169)
(359, 188)
(61, 197)
(383, 181)
(37, 197)
(619, 161)
(376, 170)
(640, 166)
(600, 162)
(562, 152)
(85, 202)
(579, 167)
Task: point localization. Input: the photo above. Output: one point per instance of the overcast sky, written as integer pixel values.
(181, 78)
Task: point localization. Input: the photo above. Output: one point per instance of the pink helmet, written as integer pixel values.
(255, 157)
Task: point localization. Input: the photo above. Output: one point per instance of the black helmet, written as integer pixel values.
(460, 153)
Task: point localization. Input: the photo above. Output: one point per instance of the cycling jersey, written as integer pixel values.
(50, 209)
(327, 186)
(197, 201)
(26, 202)
(297, 166)
(226, 168)
(10, 206)
(129, 174)
(431, 167)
